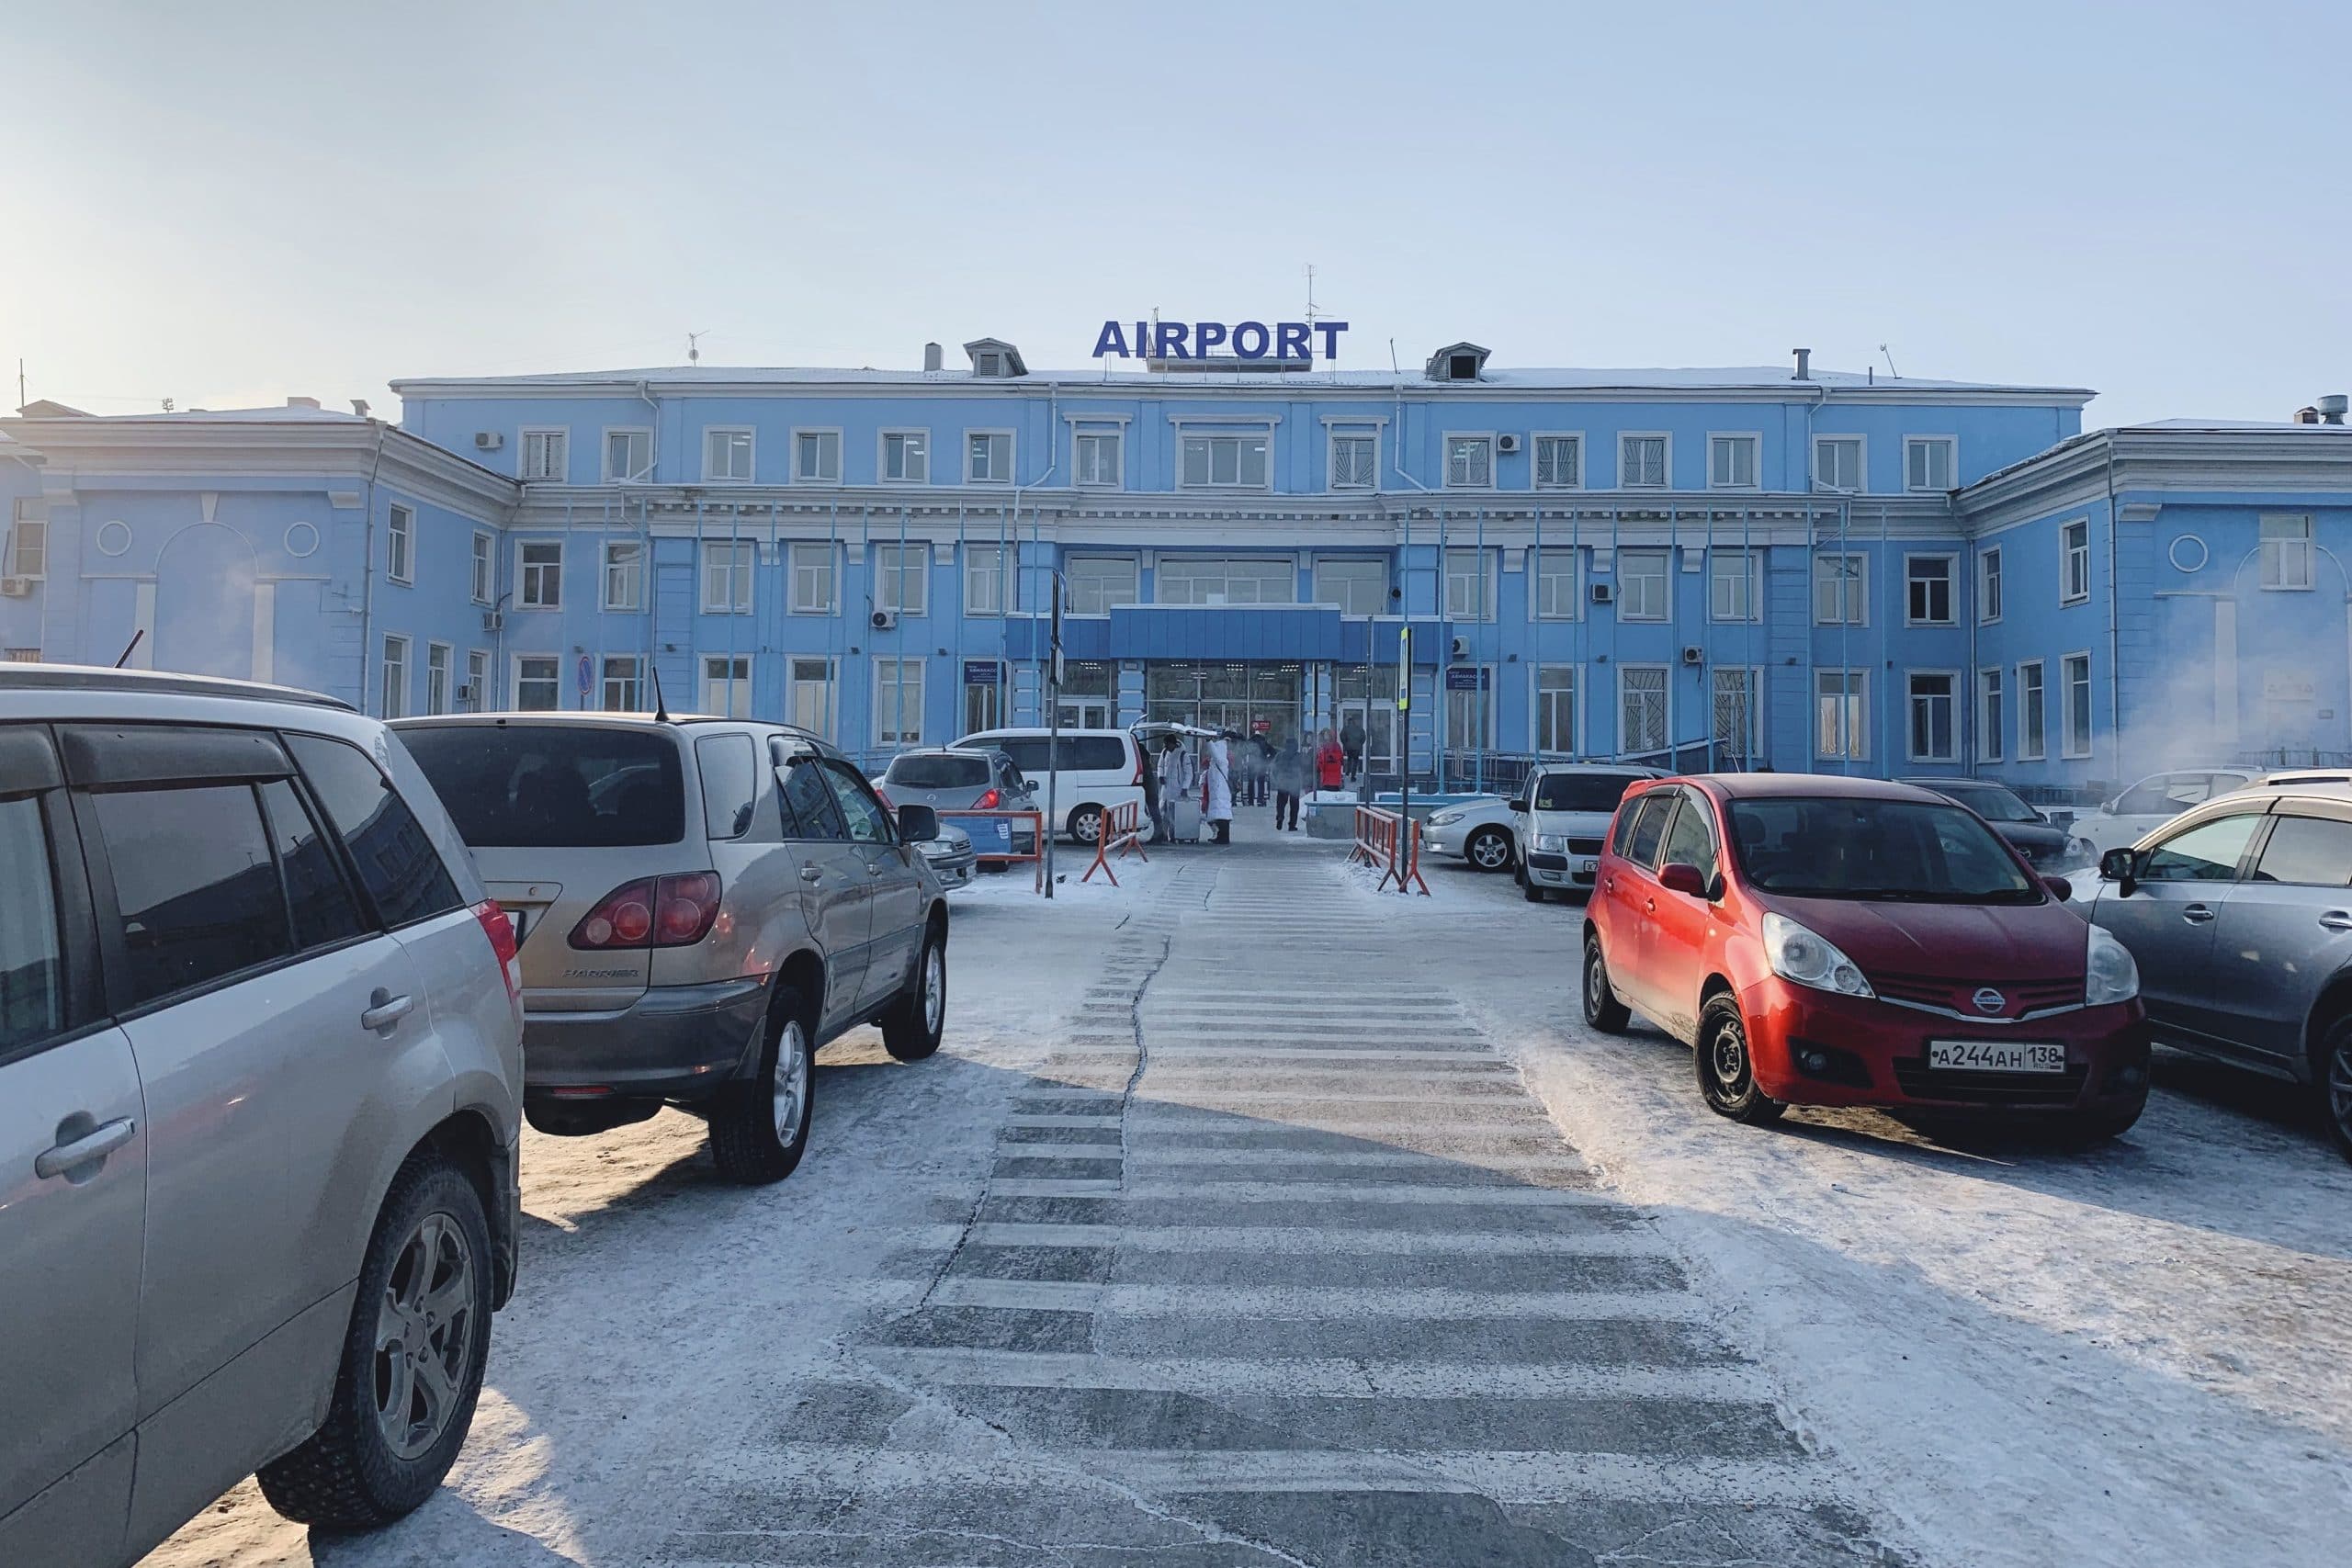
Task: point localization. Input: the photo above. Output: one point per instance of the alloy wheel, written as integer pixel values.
(2339, 1087)
(1490, 851)
(424, 1331)
(935, 989)
(791, 1082)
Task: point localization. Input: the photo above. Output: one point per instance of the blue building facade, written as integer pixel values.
(1806, 569)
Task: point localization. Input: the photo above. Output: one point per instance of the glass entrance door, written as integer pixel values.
(1249, 699)
(1365, 698)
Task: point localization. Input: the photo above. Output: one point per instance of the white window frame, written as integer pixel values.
(1754, 440)
(1117, 440)
(1952, 588)
(820, 432)
(1666, 467)
(1751, 745)
(514, 682)
(995, 558)
(2068, 749)
(555, 454)
(605, 453)
(1188, 434)
(2033, 745)
(605, 596)
(1470, 439)
(481, 568)
(395, 700)
(733, 690)
(897, 684)
(797, 554)
(739, 565)
(477, 687)
(523, 570)
(794, 680)
(633, 682)
(1666, 717)
(1190, 565)
(994, 434)
(1486, 562)
(1991, 714)
(1861, 463)
(2066, 556)
(30, 521)
(399, 544)
(913, 553)
(1481, 701)
(1854, 715)
(1950, 444)
(1665, 558)
(1332, 436)
(902, 434)
(1539, 708)
(1134, 578)
(1856, 589)
(1912, 698)
(1536, 440)
(1315, 583)
(1750, 580)
(1992, 586)
(1541, 577)
(2276, 554)
(751, 454)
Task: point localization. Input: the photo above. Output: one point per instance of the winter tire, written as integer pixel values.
(1727, 1070)
(910, 1030)
(1489, 850)
(1602, 1010)
(2332, 1072)
(1085, 823)
(412, 1359)
(759, 1130)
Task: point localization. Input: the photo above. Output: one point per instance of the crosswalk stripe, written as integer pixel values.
(1353, 1302)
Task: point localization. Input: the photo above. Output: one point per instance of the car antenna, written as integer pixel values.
(660, 708)
(128, 647)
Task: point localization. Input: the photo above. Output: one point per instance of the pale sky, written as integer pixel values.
(227, 203)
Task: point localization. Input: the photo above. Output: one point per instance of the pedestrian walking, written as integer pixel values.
(1352, 745)
(1217, 791)
(1261, 764)
(1330, 762)
(1290, 782)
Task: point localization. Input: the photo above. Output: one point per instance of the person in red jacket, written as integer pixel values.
(1330, 762)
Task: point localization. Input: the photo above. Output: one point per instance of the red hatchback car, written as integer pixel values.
(1825, 941)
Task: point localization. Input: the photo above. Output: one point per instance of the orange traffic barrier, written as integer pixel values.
(1122, 830)
(1390, 844)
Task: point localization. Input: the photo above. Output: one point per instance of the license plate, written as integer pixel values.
(1995, 1057)
(1586, 866)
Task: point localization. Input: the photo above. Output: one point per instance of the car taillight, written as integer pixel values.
(497, 926)
(987, 802)
(884, 796)
(653, 911)
(1138, 780)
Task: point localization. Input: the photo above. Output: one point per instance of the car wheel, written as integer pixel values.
(1602, 1010)
(1727, 1070)
(411, 1367)
(1488, 849)
(760, 1129)
(1085, 823)
(910, 1030)
(2332, 1073)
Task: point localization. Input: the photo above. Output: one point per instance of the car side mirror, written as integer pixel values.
(918, 824)
(2109, 804)
(2122, 868)
(1680, 877)
(2060, 888)
(1516, 803)
(1032, 785)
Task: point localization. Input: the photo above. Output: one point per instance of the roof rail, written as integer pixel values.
(91, 678)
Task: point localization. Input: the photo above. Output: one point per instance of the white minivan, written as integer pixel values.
(1100, 769)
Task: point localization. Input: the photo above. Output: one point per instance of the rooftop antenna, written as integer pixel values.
(128, 647)
(660, 708)
(20, 382)
(1890, 364)
(694, 345)
(1310, 311)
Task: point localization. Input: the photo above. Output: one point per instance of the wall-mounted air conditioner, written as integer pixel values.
(493, 620)
(488, 440)
(1694, 654)
(466, 692)
(1604, 592)
(1505, 444)
(883, 620)
(1461, 649)
(15, 587)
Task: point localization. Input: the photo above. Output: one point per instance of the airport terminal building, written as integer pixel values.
(1803, 567)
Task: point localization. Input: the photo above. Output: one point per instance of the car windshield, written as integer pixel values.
(1994, 803)
(937, 771)
(547, 786)
(1581, 792)
(1895, 851)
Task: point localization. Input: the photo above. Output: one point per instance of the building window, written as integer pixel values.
(1093, 584)
(1928, 462)
(2075, 561)
(623, 683)
(1842, 700)
(726, 577)
(1992, 718)
(541, 574)
(437, 677)
(1641, 462)
(1641, 709)
(1641, 585)
(726, 455)
(812, 695)
(1559, 588)
(906, 457)
(546, 455)
(1555, 709)
(817, 456)
(1469, 585)
(1359, 586)
(897, 701)
(1840, 590)
(983, 695)
(400, 532)
(1732, 585)
(1469, 707)
(727, 685)
(1988, 586)
(1732, 461)
(984, 580)
(629, 457)
(1217, 580)
(1559, 462)
(2075, 670)
(1227, 461)
(1355, 459)
(482, 568)
(1469, 462)
(987, 457)
(19, 656)
(1927, 587)
(812, 578)
(901, 577)
(395, 677)
(625, 574)
(1837, 462)
(2033, 719)
(1735, 731)
(2286, 552)
(1934, 726)
(1095, 456)
(539, 683)
(475, 692)
(29, 540)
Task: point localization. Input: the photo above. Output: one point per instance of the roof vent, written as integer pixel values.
(1457, 362)
(1804, 364)
(311, 404)
(2331, 408)
(993, 356)
(931, 356)
(359, 407)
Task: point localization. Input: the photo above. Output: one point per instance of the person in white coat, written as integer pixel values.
(1217, 791)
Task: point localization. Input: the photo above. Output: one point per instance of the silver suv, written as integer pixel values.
(703, 903)
(260, 1096)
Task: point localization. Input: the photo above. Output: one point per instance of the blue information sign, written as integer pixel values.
(1467, 677)
(980, 672)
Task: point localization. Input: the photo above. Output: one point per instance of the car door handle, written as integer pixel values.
(385, 1009)
(2196, 914)
(1649, 906)
(76, 1152)
(2337, 920)
(874, 868)
(812, 874)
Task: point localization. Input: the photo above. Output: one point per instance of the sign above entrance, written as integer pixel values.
(1204, 340)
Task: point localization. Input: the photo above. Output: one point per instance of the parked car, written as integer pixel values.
(704, 904)
(2155, 800)
(260, 1095)
(1560, 819)
(2048, 848)
(1478, 830)
(1844, 941)
(2240, 914)
(1100, 769)
(950, 856)
(973, 779)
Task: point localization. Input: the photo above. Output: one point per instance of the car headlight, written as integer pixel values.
(2109, 972)
(1445, 819)
(1809, 958)
(1551, 843)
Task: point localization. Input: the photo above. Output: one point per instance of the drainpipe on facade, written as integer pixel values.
(2114, 640)
(367, 570)
(1405, 571)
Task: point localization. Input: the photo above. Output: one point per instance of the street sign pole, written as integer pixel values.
(1054, 733)
(1405, 723)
